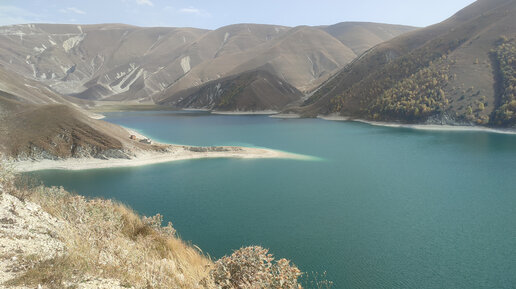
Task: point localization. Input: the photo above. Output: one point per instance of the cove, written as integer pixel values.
(382, 208)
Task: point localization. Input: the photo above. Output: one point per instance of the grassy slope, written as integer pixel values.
(58, 130)
(36, 122)
(107, 241)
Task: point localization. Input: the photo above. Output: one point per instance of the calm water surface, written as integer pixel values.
(385, 208)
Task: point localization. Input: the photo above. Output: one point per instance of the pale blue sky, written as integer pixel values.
(212, 14)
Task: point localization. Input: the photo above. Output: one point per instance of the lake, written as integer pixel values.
(382, 208)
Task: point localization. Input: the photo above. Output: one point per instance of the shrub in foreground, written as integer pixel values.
(254, 267)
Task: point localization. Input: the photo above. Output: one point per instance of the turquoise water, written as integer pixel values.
(386, 208)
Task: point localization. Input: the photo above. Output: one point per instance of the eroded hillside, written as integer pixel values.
(127, 63)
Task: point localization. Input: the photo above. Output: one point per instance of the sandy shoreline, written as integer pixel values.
(428, 127)
(335, 117)
(97, 116)
(169, 153)
(260, 112)
(286, 116)
(180, 152)
(142, 158)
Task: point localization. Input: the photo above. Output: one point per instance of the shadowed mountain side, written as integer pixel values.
(250, 91)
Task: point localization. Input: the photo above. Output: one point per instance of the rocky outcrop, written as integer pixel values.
(27, 235)
(213, 149)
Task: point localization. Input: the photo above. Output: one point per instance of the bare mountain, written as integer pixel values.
(39, 124)
(458, 71)
(257, 90)
(31, 91)
(122, 62)
(360, 36)
(36, 123)
(97, 61)
(302, 56)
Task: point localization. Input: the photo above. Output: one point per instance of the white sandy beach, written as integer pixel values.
(334, 117)
(286, 116)
(96, 115)
(142, 158)
(258, 112)
(429, 127)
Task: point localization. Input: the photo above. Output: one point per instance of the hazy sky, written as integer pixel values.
(213, 14)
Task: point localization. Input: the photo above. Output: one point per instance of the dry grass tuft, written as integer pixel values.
(7, 176)
(107, 239)
(54, 273)
(254, 267)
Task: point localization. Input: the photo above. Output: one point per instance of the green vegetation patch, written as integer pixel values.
(505, 56)
(416, 97)
(404, 85)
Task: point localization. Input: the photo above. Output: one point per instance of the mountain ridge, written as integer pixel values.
(390, 81)
(128, 63)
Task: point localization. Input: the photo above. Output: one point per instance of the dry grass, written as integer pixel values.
(54, 273)
(52, 131)
(254, 267)
(106, 239)
(7, 177)
(109, 240)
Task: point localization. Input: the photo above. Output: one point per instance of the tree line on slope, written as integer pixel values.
(412, 87)
(416, 97)
(505, 56)
(408, 87)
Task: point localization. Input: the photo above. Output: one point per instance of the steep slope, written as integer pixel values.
(302, 56)
(360, 36)
(37, 123)
(446, 73)
(51, 238)
(57, 136)
(57, 131)
(104, 60)
(31, 91)
(122, 62)
(257, 90)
